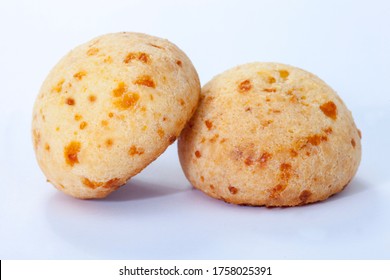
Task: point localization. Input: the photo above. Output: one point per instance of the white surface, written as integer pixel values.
(158, 215)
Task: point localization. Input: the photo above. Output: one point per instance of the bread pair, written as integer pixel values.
(262, 133)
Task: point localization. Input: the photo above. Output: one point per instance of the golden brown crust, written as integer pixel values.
(269, 134)
(109, 108)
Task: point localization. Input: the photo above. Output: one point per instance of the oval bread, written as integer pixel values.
(270, 134)
(109, 108)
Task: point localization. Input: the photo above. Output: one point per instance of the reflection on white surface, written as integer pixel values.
(187, 224)
(158, 215)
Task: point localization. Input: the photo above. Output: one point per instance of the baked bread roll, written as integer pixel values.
(270, 134)
(109, 108)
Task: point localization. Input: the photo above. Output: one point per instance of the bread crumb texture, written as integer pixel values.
(269, 134)
(109, 108)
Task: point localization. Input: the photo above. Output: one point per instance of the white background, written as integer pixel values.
(158, 215)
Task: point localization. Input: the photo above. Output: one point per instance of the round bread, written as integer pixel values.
(270, 134)
(109, 108)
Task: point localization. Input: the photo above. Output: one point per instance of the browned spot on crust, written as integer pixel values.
(127, 101)
(70, 101)
(275, 191)
(145, 58)
(92, 51)
(294, 99)
(304, 196)
(313, 140)
(181, 101)
(261, 161)
(156, 46)
(92, 98)
(285, 166)
(202, 179)
(198, 154)
(209, 124)
(266, 123)
(104, 123)
(316, 139)
(145, 80)
(47, 147)
(120, 89)
(58, 86)
(353, 143)
(249, 161)
(83, 125)
(284, 74)
(110, 115)
(269, 89)
(93, 184)
(107, 59)
(285, 172)
(329, 109)
(112, 184)
(214, 138)
(232, 190)
(136, 150)
(359, 133)
(212, 186)
(244, 86)
(109, 142)
(140, 56)
(172, 139)
(79, 75)
(71, 151)
(271, 80)
(178, 62)
(161, 132)
(328, 130)
(264, 158)
(293, 153)
(77, 117)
